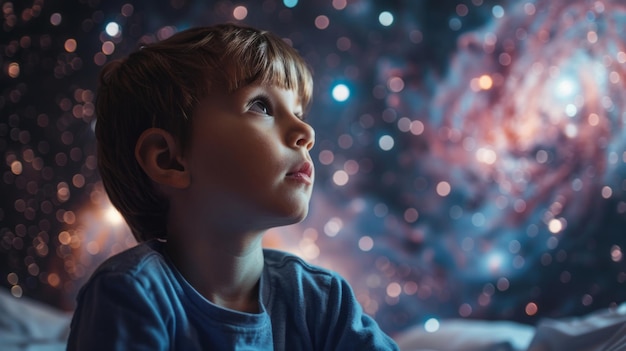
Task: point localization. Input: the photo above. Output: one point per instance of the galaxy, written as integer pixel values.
(470, 155)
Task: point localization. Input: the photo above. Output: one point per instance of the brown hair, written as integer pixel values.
(160, 85)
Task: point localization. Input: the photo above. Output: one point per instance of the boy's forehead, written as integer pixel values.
(283, 73)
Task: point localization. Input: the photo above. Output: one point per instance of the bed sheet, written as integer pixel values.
(603, 330)
(28, 325)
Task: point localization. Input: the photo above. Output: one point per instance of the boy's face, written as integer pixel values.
(249, 159)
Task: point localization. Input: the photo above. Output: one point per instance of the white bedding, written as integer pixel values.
(604, 330)
(467, 335)
(28, 325)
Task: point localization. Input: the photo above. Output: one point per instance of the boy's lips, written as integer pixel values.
(303, 172)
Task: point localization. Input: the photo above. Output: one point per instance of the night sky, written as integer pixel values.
(470, 155)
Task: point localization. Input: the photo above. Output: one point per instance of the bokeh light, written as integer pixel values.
(113, 29)
(385, 18)
(290, 3)
(341, 92)
(431, 325)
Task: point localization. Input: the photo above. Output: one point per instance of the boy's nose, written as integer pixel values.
(303, 135)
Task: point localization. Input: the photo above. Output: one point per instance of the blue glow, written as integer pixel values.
(386, 142)
(494, 261)
(566, 87)
(431, 325)
(113, 29)
(385, 18)
(341, 92)
(290, 3)
(455, 23)
(497, 11)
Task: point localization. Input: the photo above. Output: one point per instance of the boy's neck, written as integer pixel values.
(227, 275)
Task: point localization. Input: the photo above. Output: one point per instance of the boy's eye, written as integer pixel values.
(260, 106)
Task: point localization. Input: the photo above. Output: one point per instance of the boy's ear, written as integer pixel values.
(159, 156)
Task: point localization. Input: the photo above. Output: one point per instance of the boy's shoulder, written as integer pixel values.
(291, 274)
(143, 262)
(133, 259)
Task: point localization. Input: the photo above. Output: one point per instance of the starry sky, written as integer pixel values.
(470, 155)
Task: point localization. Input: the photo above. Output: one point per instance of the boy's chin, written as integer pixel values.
(294, 218)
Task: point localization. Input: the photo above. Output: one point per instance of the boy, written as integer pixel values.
(202, 147)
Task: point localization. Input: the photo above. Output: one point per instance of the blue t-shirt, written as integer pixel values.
(137, 300)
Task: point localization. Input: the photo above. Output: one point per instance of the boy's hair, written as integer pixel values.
(160, 85)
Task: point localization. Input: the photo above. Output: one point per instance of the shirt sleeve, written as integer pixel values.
(117, 312)
(348, 327)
